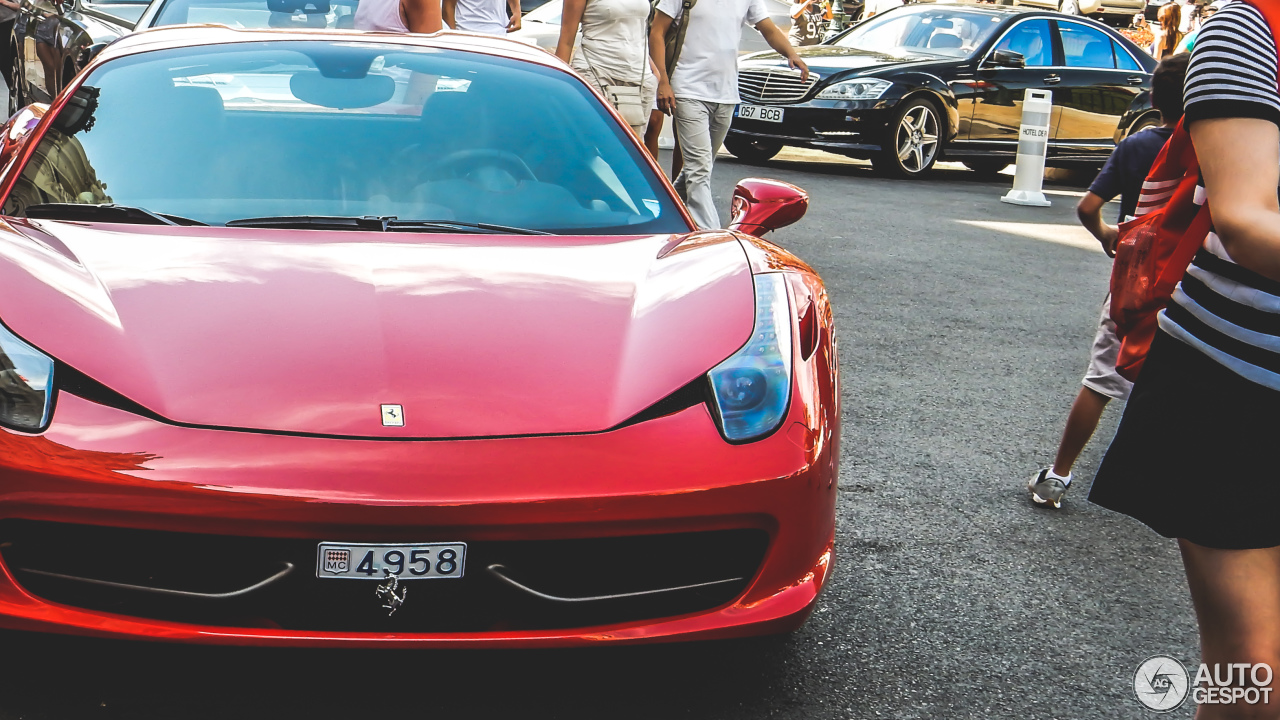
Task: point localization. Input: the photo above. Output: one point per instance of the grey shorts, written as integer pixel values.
(1101, 375)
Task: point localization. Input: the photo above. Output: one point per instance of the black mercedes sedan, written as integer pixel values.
(923, 82)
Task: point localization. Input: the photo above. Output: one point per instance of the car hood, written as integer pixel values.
(829, 59)
(312, 331)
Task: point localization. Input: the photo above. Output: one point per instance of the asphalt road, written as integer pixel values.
(964, 326)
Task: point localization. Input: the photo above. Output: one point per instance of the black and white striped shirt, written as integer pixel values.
(1229, 313)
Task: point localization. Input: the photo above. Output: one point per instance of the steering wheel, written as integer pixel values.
(462, 163)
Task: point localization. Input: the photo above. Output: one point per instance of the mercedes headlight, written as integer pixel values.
(862, 89)
(752, 389)
(26, 384)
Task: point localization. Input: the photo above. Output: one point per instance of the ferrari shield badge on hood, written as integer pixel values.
(393, 415)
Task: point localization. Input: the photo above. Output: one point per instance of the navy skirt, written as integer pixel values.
(1197, 453)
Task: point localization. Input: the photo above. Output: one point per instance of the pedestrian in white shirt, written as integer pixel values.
(702, 90)
(490, 17)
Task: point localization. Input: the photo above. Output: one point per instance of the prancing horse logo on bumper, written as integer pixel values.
(391, 600)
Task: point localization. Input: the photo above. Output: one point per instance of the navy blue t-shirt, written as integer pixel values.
(1128, 167)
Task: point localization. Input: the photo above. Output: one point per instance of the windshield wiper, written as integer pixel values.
(106, 213)
(377, 224)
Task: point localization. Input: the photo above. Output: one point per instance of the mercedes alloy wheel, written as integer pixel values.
(912, 146)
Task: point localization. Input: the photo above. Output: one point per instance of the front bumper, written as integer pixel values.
(854, 128)
(102, 467)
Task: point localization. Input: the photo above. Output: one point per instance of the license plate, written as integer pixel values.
(356, 561)
(760, 112)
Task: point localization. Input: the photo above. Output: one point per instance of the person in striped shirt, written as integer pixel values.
(1195, 457)
(1123, 175)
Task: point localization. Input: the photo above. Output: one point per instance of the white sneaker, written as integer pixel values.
(1047, 489)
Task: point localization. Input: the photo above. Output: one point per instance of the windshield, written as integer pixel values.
(331, 128)
(946, 32)
(259, 13)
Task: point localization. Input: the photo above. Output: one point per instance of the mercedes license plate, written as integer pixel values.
(356, 561)
(760, 112)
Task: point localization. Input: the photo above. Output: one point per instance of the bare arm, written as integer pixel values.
(446, 11)
(422, 16)
(570, 19)
(658, 54)
(1240, 162)
(1090, 213)
(513, 7)
(782, 46)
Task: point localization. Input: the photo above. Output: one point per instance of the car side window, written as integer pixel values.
(1086, 47)
(1124, 60)
(1033, 39)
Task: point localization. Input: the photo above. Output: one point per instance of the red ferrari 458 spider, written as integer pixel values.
(366, 339)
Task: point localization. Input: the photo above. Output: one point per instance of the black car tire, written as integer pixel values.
(1070, 7)
(987, 168)
(752, 150)
(913, 141)
(1147, 121)
(15, 89)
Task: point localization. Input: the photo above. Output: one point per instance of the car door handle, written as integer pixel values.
(1053, 80)
(1136, 79)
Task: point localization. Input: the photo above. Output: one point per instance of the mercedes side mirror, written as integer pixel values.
(15, 131)
(1008, 59)
(760, 206)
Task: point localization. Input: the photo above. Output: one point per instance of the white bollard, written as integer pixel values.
(1033, 143)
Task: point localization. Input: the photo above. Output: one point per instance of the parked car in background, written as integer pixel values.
(1094, 8)
(921, 82)
(54, 39)
(541, 27)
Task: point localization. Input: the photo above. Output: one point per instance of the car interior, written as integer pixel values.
(954, 33)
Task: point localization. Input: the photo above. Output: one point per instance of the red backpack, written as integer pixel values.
(1154, 250)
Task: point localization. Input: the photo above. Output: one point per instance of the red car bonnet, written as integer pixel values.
(312, 331)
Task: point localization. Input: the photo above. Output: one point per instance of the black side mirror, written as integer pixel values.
(1008, 59)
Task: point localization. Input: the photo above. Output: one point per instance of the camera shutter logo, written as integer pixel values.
(1161, 683)
(337, 562)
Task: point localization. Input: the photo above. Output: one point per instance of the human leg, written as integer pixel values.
(1082, 421)
(1236, 594)
(693, 137)
(698, 128)
(653, 131)
(1100, 385)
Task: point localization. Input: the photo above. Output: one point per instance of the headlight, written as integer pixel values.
(26, 384)
(753, 387)
(864, 89)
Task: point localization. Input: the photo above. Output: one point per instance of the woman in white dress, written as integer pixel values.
(614, 53)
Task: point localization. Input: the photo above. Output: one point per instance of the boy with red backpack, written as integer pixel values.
(1123, 175)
